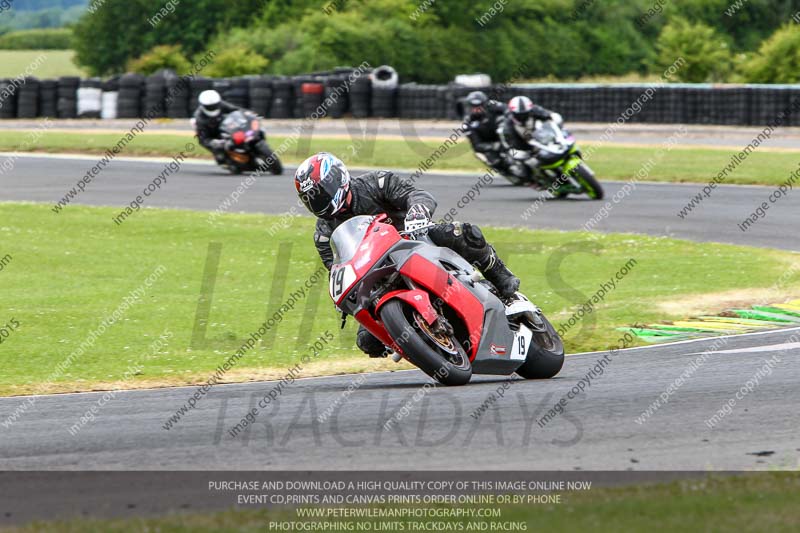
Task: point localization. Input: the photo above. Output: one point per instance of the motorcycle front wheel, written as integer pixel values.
(545, 354)
(586, 178)
(441, 357)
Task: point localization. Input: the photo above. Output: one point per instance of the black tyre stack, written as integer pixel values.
(384, 102)
(793, 100)
(419, 101)
(177, 97)
(313, 94)
(282, 98)
(8, 99)
(28, 98)
(360, 96)
(155, 90)
(297, 93)
(239, 92)
(67, 106)
(48, 98)
(261, 95)
(384, 91)
(406, 96)
(130, 95)
(336, 95)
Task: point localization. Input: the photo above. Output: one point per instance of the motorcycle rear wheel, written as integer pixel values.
(423, 350)
(545, 354)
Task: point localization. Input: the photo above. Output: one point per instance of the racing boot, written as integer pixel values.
(495, 270)
(369, 344)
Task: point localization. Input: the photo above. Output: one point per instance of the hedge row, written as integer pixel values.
(164, 95)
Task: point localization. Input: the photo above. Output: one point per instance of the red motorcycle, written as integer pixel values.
(243, 131)
(431, 307)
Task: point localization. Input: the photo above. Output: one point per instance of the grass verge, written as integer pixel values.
(681, 164)
(53, 63)
(755, 502)
(63, 274)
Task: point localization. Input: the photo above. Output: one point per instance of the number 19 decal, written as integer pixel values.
(522, 341)
(341, 280)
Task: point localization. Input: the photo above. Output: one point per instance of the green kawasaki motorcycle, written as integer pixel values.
(558, 166)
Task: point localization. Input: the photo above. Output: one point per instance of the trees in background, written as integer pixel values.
(707, 57)
(430, 42)
(778, 58)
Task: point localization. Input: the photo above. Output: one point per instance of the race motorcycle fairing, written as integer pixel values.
(431, 306)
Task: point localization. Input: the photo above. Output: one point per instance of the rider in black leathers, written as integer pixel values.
(482, 117)
(516, 129)
(327, 190)
(208, 117)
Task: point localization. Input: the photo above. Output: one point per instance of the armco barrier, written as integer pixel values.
(300, 96)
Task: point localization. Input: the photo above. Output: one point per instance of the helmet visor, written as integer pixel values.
(319, 199)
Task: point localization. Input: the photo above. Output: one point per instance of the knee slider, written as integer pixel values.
(474, 236)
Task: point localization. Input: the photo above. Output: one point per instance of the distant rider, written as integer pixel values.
(482, 117)
(517, 130)
(207, 120)
(327, 190)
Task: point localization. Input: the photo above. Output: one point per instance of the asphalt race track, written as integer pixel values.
(651, 208)
(598, 430)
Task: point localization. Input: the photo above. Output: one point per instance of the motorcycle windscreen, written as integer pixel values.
(235, 121)
(545, 134)
(347, 237)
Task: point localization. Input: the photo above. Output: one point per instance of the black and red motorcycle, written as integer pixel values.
(434, 309)
(242, 130)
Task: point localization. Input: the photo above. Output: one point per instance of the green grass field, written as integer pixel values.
(747, 503)
(54, 63)
(68, 271)
(609, 162)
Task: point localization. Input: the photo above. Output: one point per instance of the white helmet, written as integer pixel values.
(209, 102)
(520, 108)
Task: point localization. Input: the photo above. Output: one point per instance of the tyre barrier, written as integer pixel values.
(260, 95)
(384, 77)
(8, 99)
(379, 94)
(360, 97)
(28, 98)
(178, 94)
(313, 94)
(130, 94)
(297, 109)
(108, 108)
(48, 98)
(153, 98)
(282, 98)
(238, 92)
(67, 104)
(336, 95)
(384, 102)
(90, 98)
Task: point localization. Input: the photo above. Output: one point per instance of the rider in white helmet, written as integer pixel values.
(517, 128)
(207, 118)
